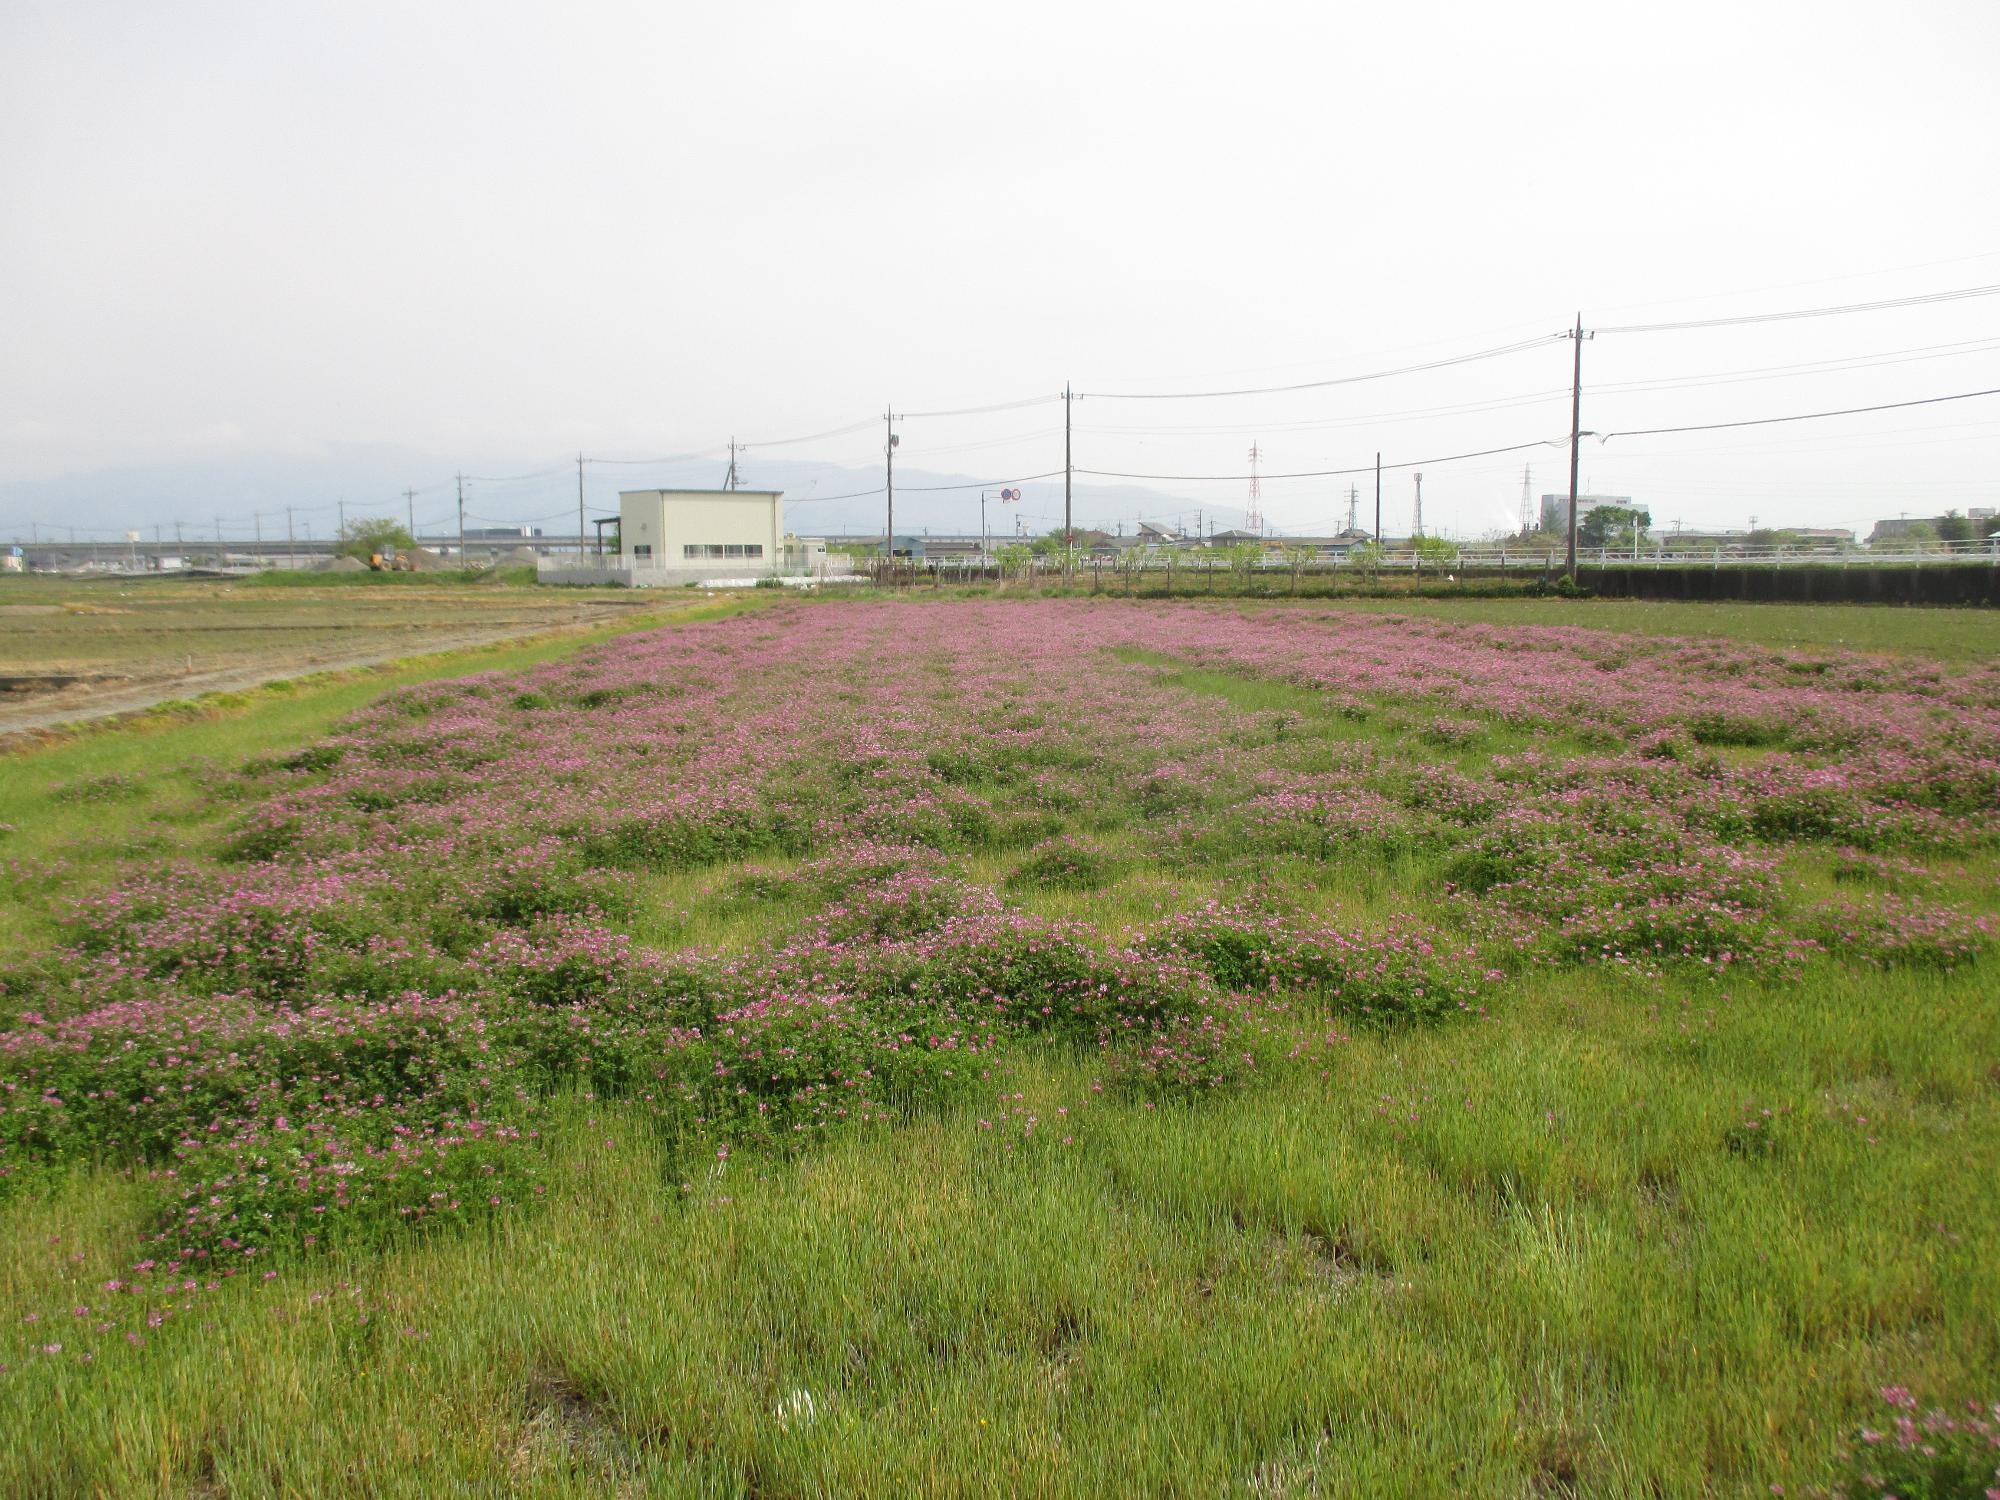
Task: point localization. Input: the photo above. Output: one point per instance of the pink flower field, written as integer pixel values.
(811, 870)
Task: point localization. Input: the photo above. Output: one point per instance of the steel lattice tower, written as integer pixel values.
(1254, 521)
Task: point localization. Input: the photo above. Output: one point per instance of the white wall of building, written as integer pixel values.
(712, 530)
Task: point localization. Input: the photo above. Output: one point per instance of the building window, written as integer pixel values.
(690, 550)
(697, 551)
(642, 549)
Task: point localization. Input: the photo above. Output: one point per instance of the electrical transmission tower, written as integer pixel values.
(1527, 513)
(1353, 502)
(1254, 521)
(1417, 528)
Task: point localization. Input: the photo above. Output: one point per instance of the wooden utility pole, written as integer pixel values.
(1378, 499)
(410, 500)
(1575, 438)
(1067, 535)
(889, 483)
(461, 520)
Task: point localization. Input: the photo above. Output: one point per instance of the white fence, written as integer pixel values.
(569, 568)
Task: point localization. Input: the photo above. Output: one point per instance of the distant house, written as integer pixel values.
(1346, 541)
(1236, 537)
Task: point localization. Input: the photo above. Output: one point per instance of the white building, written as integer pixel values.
(667, 538)
(711, 531)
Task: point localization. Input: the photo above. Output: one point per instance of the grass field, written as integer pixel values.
(70, 648)
(1044, 1047)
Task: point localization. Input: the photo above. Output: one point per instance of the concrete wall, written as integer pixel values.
(670, 521)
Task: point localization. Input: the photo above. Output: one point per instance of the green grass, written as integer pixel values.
(1953, 635)
(1529, 1255)
(163, 772)
(1557, 1250)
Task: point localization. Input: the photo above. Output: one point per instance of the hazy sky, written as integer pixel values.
(501, 230)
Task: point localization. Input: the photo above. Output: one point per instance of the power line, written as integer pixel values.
(1314, 385)
(514, 478)
(671, 458)
(813, 437)
(1498, 403)
(1803, 416)
(988, 483)
(974, 411)
(1787, 286)
(1915, 355)
(1333, 473)
(820, 499)
(1957, 295)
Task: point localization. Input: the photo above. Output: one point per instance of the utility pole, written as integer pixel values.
(342, 504)
(461, 520)
(1575, 437)
(291, 547)
(889, 484)
(579, 505)
(1353, 501)
(983, 548)
(257, 527)
(1378, 498)
(1066, 518)
(218, 533)
(410, 503)
(1417, 530)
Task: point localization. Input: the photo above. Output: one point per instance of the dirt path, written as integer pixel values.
(30, 712)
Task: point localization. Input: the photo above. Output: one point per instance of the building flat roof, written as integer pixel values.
(705, 494)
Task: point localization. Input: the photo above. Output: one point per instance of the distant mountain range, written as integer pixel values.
(249, 493)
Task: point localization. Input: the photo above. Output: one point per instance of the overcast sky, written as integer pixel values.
(511, 230)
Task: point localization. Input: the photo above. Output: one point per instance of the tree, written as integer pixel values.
(1952, 527)
(1918, 536)
(1368, 557)
(365, 537)
(1435, 550)
(1298, 558)
(1242, 560)
(1611, 526)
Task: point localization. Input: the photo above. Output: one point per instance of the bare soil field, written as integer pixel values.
(74, 649)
